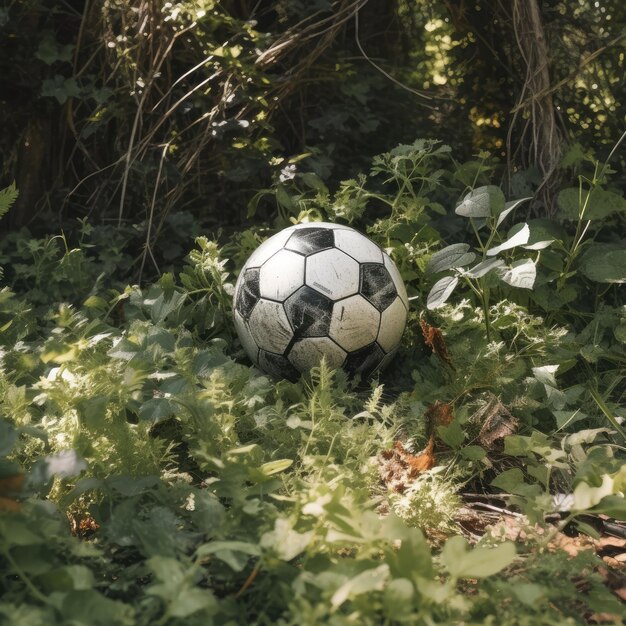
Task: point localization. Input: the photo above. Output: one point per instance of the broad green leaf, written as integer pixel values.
(285, 542)
(365, 582)
(480, 562)
(517, 236)
(13, 532)
(528, 593)
(545, 374)
(543, 231)
(398, 597)
(90, 608)
(456, 255)
(482, 202)
(605, 262)
(510, 206)
(512, 481)
(156, 410)
(274, 467)
(441, 291)
(473, 453)
(176, 588)
(599, 205)
(574, 155)
(587, 496)
(235, 554)
(67, 578)
(283, 198)
(191, 600)
(50, 50)
(521, 274)
(613, 506)
(60, 88)
(484, 267)
(452, 434)
(567, 418)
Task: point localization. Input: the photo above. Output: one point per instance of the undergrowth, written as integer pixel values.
(150, 475)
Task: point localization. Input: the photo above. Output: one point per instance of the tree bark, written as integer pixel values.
(534, 137)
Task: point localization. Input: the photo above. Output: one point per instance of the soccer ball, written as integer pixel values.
(316, 290)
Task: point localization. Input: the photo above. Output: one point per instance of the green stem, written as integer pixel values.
(607, 412)
(485, 302)
(578, 237)
(25, 579)
(483, 250)
(493, 229)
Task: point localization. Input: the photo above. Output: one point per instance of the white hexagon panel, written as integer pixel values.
(270, 327)
(268, 248)
(281, 275)
(359, 247)
(354, 323)
(333, 273)
(392, 323)
(307, 353)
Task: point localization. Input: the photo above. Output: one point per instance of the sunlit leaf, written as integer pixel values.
(482, 202)
(510, 206)
(456, 255)
(441, 291)
(479, 562)
(521, 274)
(517, 236)
(484, 267)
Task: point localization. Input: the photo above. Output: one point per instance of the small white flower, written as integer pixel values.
(287, 173)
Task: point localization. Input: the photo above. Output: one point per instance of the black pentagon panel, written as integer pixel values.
(309, 312)
(377, 285)
(310, 240)
(248, 294)
(364, 360)
(277, 365)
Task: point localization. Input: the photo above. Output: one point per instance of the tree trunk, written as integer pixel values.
(534, 137)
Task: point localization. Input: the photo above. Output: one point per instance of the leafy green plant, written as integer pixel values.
(201, 491)
(485, 207)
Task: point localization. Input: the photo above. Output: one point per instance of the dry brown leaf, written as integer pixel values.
(438, 414)
(82, 527)
(398, 467)
(433, 338)
(423, 461)
(497, 423)
(571, 545)
(603, 618)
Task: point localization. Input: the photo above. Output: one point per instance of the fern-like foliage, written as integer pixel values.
(8, 196)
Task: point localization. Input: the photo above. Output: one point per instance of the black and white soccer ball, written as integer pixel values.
(319, 289)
